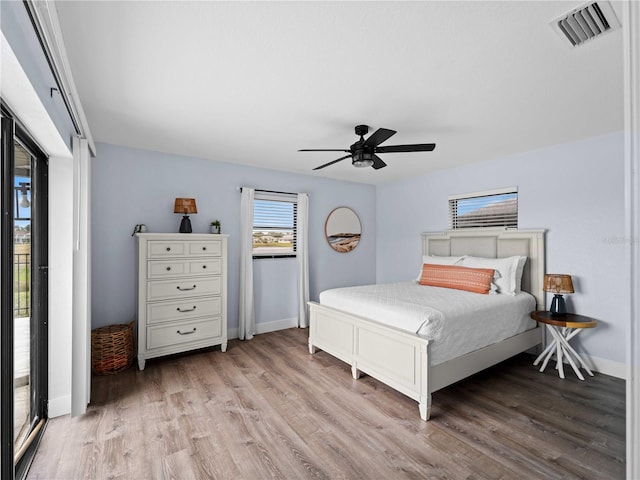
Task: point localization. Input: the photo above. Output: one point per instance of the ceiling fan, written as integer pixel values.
(363, 152)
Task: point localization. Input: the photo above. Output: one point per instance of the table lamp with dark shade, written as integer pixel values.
(185, 206)
(559, 285)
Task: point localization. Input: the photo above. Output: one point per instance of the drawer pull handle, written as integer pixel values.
(168, 269)
(204, 266)
(186, 289)
(189, 310)
(204, 248)
(186, 333)
(168, 249)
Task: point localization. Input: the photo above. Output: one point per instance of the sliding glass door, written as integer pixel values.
(24, 297)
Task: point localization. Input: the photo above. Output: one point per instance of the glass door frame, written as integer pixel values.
(12, 131)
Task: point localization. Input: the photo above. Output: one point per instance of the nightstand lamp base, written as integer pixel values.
(558, 306)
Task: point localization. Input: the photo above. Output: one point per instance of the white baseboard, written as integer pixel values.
(608, 367)
(59, 406)
(266, 327)
(596, 364)
(283, 324)
(232, 333)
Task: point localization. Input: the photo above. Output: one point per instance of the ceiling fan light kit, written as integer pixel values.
(364, 159)
(363, 152)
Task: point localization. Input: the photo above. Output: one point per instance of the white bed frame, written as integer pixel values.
(404, 364)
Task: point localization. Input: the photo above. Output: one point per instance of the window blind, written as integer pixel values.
(273, 215)
(494, 208)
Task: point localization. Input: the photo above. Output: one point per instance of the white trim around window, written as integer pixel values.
(276, 217)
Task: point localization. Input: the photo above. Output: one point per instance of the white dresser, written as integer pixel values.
(182, 293)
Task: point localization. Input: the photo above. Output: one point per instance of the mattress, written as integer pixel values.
(455, 321)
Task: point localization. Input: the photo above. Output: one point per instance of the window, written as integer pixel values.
(274, 224)
(495, 208)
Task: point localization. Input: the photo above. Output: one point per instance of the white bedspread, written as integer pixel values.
(457, 322)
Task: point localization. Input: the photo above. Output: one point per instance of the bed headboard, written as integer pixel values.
(493, 243)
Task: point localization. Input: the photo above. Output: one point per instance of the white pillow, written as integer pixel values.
(438, 260)
(506, 271)
(519, 272)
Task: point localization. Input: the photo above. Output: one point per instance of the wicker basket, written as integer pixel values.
(111, 349)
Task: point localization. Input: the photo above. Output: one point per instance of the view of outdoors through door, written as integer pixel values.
(22, 296)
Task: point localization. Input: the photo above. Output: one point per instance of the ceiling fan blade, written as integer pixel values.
(323, 150)
(379, 136)
(419, 147)
(378, 163)
(331, 163)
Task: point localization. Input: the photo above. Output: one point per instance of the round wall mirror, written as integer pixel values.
(343, 229)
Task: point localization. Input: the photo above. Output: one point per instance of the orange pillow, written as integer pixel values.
(476, 280)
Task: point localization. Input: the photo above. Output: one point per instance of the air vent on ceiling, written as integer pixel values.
(586, 22)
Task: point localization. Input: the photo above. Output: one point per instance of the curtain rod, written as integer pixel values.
(271, 191)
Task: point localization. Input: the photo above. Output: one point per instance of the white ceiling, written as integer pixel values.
(253, 82)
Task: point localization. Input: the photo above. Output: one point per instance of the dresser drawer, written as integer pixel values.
(163, 248)
(206, 266)
(167, 268)
(183, 309)
(193, 287)
(182, 332)
(211, 248)
(176, 268)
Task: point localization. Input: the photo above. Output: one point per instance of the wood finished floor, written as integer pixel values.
(268, 409)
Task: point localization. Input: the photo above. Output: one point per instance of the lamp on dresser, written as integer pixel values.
(185, 206)
(558, 284)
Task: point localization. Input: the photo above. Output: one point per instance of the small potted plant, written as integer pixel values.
(215, 226)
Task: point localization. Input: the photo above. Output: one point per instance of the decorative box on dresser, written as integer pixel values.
(182, 293)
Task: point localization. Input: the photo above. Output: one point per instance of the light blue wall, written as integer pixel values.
(19, 32)
(132, 186)
(575, 191)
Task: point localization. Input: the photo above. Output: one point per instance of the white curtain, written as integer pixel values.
(247, 313)
(303, 259)
(81, 309)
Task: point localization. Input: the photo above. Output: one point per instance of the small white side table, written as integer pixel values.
(563, 328)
